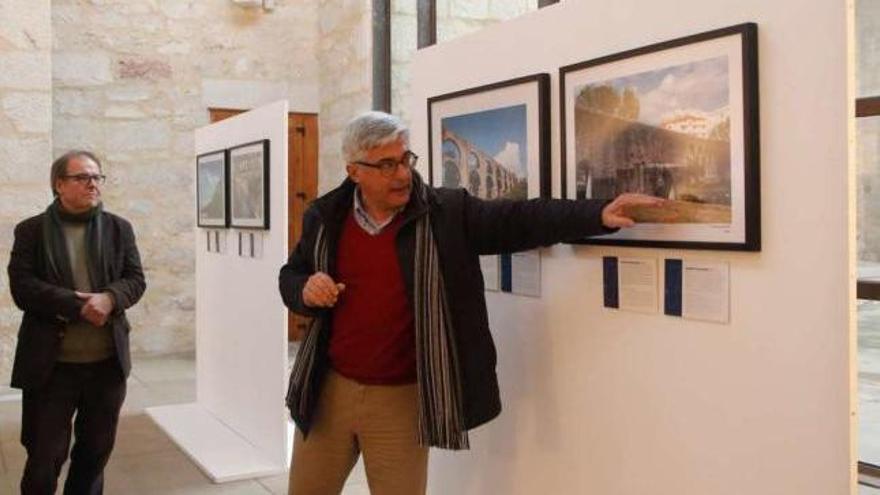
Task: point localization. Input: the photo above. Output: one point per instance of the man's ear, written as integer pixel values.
(352, 172)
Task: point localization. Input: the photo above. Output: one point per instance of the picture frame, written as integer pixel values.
(212, 190)
(679, 120)
(501, 134)
(249, 185)
(494, 140)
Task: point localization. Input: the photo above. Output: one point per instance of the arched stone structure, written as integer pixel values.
(615, 156)
(465, 165)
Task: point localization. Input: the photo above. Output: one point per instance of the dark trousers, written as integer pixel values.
(93, 391)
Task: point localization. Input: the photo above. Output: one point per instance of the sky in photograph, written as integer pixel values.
(500, 133)
(701, 85)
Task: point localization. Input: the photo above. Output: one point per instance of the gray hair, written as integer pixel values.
(59, 166)
(369, 130)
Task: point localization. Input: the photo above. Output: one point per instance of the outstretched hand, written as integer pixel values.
(615, 214)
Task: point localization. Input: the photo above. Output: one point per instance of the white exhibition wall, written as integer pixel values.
(603, 402)
(238, 426)
(238, 373)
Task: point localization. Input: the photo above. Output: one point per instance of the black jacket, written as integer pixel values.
(48, 305)
(464, 228)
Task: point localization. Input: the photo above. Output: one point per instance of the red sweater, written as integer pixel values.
(373, 337)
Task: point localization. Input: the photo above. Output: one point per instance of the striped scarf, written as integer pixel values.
(441, 417)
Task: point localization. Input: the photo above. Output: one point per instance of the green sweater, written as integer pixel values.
(82, 342)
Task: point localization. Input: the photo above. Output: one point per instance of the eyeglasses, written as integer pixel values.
(388, 166)
(86, 178)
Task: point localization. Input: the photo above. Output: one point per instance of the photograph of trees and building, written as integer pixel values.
(665, 133)
(248, 195)
(486, 152)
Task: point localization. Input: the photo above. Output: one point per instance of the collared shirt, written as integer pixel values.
(364, 220)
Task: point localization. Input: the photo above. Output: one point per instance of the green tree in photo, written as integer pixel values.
(605, 99)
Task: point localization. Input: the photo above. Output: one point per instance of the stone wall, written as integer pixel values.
(132, 79)
(868, 47)
(868, 130)
(345, 62)
(25, 138)
(345, 78)
(455, 18)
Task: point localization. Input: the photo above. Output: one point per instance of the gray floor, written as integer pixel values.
(145, 461)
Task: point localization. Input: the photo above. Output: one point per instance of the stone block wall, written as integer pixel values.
(345, 60)
(868, 48)
(344, 55)
(131, 80)
(25, 138)
(455, 18)
(868, 130)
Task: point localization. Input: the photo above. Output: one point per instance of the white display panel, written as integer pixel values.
(612, 402)
(241, 328)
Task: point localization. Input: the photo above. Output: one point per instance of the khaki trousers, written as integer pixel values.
(380, 421)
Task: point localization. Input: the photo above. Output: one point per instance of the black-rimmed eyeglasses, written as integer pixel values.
(86, 178)
(388, 166)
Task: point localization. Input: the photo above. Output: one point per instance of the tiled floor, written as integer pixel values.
(145, 461)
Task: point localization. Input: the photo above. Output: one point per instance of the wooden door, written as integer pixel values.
(302, 184)
(302, 188)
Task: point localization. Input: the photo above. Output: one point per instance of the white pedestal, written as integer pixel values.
(218, 450)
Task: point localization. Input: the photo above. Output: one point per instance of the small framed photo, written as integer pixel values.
(492, 140)
(678, 120)
(212, 207)
(249, 185)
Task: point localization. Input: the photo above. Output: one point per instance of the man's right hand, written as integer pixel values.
(321, 291)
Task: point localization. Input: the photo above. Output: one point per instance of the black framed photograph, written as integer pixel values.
(678, 120)
(212, 207)
(249, 185)
(492, 140)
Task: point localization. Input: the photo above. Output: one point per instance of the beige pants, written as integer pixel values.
(380, 421)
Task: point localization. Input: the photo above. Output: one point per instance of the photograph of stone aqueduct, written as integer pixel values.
(663, 132)
(615, 155)
(465, 165)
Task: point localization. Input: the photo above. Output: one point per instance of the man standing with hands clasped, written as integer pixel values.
(74, 270)
(399, 357)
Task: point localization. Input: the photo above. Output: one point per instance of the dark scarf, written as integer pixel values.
(441, 416)
(55, 247)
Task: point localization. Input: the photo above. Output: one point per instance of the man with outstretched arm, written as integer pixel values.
(399, 357)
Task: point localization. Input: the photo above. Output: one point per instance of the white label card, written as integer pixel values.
(705, 291)
(637, 283)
